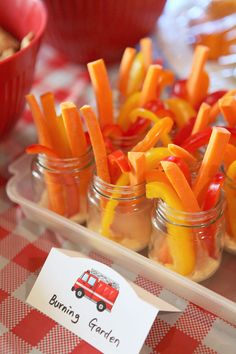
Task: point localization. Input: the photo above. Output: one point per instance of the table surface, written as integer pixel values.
(24, 247)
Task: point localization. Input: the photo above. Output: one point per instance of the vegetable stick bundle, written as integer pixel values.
(67, 159)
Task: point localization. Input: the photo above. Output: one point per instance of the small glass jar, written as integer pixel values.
(61, 184)
(188, 243)
(230, 215)
(120, 213)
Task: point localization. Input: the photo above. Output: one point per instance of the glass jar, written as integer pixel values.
(188, 243)
(120, 213)
(61, 184)
(230, 215)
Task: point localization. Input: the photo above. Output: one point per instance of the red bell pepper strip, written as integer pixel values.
(179, 89)
(182, 165)
(119, 158)
(184, 132)
(40, 149)
(112, 131)
(154, 105)
(213, 97)
(138, 127)
(213, 192)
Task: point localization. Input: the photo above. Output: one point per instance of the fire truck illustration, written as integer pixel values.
(98, 288)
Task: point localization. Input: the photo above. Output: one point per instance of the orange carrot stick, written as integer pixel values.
(230, 155)
(100, 81)
(57, 131)
(137, 162)
(227, 106)
(202, 119)
(211, 161)
(154, 134)
(178, 151)
(156, 175)
(97, 142)
(181, 186)
(74, 129)
(40, 122)
(149, 89)
(198, 81)
(146, 50)
(125, 66)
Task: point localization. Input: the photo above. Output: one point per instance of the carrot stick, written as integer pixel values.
(198, 81)
(137, 162)
(227, 106)
(125, 66)
(149, 89)
(202, 119)
(230, 154)
(146, 50)
(181, 186)
(97, 142)
(74, 129)
(154, 134)
(56, 130)
(178, 151)
(156, 175)
(211, 161)
(40, 122)
(100, 81)
(215, 109)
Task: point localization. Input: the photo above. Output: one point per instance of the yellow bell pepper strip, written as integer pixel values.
(154, 134)
(136, 74)
(55, 125)
(124, 69)
(198, 81)
(230, 192)
(101, 85)
(227, 107)
(108, 214)
(178, 151)
(146, 49)
(149, 88)
(202, 119)
(211, 161)
(137, 162)
(154, 156)
(130, 103)
(182, 109)
(145, 113)
(179, 239)
(181, 186)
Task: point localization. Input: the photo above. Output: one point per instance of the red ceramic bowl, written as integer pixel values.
(19, 17)
(85, 30)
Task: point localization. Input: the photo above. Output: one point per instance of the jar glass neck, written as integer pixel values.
(118, 192)
(181, 218)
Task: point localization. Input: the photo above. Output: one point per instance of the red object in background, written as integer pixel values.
(86, 30)
(98, 290)
(184, 132)
(179, 89)
(214, 97)
(19, 17)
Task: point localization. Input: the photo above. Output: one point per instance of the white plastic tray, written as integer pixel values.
(221, 301)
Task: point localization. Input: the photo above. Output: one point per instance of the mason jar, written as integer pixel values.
(188, 243)
(120, 213)
(230, 215)
(61, 184)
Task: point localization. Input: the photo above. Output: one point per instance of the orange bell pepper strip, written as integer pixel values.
(198, 81)
(156, 175)
(178, 151)
(130, 103)
(101, 85)
(227, 107)
(211, 161)
(124, 69)
(97, 143)
(202, 119)
(146, 49)
(149, 89)
(215, 109)
(182, 109)
(154, 134)
(179, 239)
(55, 125)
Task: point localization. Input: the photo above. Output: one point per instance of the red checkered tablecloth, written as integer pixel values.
(24, 246)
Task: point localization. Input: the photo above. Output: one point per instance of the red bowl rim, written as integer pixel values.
(37, 35)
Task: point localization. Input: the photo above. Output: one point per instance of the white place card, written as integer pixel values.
(95, 302)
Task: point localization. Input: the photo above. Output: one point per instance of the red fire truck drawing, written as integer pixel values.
(98, 288)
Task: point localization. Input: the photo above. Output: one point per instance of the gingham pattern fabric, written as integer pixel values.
(24, 246)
